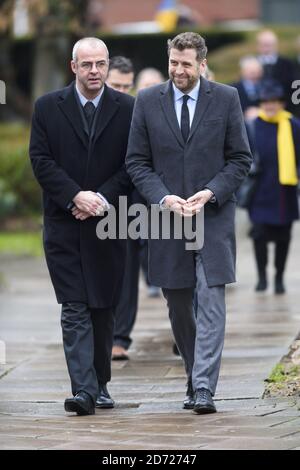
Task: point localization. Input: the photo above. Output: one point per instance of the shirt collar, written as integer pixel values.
(193, 94)
(84, 100)
(249, 84)
(268, 59)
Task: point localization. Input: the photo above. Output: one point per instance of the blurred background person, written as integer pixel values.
(208, 74)
(274, 65)
(297, 59)
(275, 138)
(148, 77)
(297, 74)
(251, 72)
(121, 74)
(298, 52)
(121, 78)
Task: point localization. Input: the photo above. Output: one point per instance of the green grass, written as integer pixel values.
(281, 374)
(13, 136)
(21, 243)
(278, 374)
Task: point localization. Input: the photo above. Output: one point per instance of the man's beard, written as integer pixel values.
(185, 84)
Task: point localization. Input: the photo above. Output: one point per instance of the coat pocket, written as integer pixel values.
(213, 122)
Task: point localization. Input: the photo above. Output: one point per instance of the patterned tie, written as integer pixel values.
(185, 118)
(89, 111)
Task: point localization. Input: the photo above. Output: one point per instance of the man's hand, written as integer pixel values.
(89, 202)
(251, 112)
(80, 215)
(198, 200)
(175, 204)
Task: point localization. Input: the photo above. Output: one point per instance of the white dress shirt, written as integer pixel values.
(268, 59)
(84, 100)
(191, 103)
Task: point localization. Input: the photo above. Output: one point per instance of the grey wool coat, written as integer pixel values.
(215, 156)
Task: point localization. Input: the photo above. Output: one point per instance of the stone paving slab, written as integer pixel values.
(149, 388)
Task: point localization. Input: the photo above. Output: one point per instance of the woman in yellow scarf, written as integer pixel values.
(275, 137)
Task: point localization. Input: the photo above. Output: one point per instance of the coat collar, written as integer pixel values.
(68, 104)
(167, 102)
(108, 106)
(202, 104)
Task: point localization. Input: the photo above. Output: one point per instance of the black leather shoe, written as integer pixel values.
(189, 401)
(104, 399)
(82, 404)
(204, 403)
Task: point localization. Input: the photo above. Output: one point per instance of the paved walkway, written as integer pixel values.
(150, 387)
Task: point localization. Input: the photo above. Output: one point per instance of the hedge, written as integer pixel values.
(19, 192)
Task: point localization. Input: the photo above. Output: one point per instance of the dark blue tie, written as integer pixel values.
(89, 110)
(185, 118)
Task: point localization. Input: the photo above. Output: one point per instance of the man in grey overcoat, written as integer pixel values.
(188, 151)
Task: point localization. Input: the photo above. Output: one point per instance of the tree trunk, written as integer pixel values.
(51, 65)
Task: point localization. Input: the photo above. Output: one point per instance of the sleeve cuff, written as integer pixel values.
(161, 202)
(213, 198)
(103, 199)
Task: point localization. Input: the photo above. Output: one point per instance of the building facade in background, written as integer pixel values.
(114, 12)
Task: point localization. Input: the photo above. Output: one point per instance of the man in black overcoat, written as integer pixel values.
(77, 149)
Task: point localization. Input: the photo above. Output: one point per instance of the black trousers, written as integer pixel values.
(261, 256)
(87, 340)
(126, 309)
(262, 234)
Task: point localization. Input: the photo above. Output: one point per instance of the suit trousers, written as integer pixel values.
(199, 332)
(126, 309)
(87, 339)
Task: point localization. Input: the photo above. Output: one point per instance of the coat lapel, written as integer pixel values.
(109, 106)
(202, 104)
(69, 106)
(167, 103)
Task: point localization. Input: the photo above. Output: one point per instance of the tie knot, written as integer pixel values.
(185, 99)
(89, 106)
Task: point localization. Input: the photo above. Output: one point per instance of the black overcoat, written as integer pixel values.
(65, 160)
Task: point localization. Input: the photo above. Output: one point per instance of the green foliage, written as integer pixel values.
(282, 373)
(277, 374)
(21, 243)
(19, 192)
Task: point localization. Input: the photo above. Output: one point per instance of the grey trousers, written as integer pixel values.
(199, 332)
(87, 339)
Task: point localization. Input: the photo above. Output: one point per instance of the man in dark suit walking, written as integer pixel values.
(188, 149)
(77, 149)
(248, 85)
(275, 66)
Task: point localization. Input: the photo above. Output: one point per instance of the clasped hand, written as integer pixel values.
(87, 204)
(190, 206)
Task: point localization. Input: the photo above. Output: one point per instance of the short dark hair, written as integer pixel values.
(189, 40)
(120, 63)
